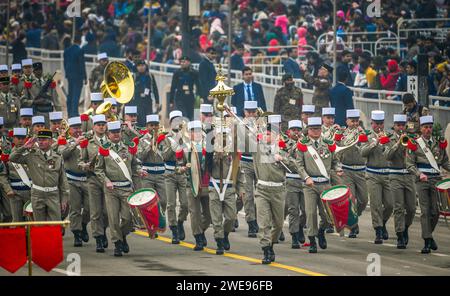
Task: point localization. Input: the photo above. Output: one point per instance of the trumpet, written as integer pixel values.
(404, 139)
(64, 129)
(89, 111)
(105, 109)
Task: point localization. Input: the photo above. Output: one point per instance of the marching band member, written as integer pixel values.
(381, 200)
(425, 158)
(269, 194)
(114, 168)
(353, 164)
(114, 111)
(37, 124)
(4, 71)
(70, 150)
(317, 165)
(16, 73)
(27, 88)
(248, 168)
(88, 158)
(307, 111)
(150, 153)
(175, 177)
(295, 200)
(329, 129)
(86, 118)
(9, 103)
(130, 130)
(55, 123)
(19, 185)
(25, 118)
(50, 190)
(199, 210)
(222, 201)
(402, 182)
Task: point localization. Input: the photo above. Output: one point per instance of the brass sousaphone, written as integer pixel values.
(118, 82)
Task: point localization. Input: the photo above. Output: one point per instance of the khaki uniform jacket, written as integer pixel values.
(11, 172)
(4, 178)
(169, 150)
(321, 96)
(416, 159)
(44, 172)
(71, 153)
(145, 150)
(395, 153)
(90, 153)
(9, 109)
(266, 168)
(374, 152)
(350, 156)
(227, 163)
(27, 95)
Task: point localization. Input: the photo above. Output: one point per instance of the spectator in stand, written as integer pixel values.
(389, 80)
(248, 90)
(402, 82)
(341, 97)
(236, 60)
(345, 66)
(365, 78)
(33, 36)
(110, 46)
(18, 49)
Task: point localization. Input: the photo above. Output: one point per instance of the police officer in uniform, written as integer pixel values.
(288, 101)
(353, 164)
(381, 200)
(96, 77)
(184, 87)
(97, 206)
(317, 165)
(402, 182)
(425, 158)
(9, 104)
(50, 190)
(176, 181)
(114, 168)
(70, 150)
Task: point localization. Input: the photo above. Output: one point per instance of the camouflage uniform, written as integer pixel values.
(288, 103)
(9, 109)
(96, 78)
(413, 116)
(321, 96)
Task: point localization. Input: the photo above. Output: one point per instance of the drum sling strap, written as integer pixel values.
(318, 161)
(22, 174)
(121, 163)
(428, 154)
(225, 185)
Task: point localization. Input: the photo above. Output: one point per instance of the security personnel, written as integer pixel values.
(270, 187)
(27, 88)
(96, 100)
(288, 101)
(37, 124)
(353, 164)
(176, 181)
(115, 167)
(19, 182)
(413, 111)
(130, 130)
(9, 104)
(184, 87)
(50, 190)
(307, 112)
(295, 199)
(199, 210)
(70, 150)
(222, 200)
(151, 155)
(321, 83)
(402, 182)
(317, 165)
(16, 73)
(250, 108)
(425, 158)
(381, 200)
(96, 77)
(48, 101)
(25, 118)
(97, 206)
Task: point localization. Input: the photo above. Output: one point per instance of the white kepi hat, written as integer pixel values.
(114, 125)
(353, 113)
(400, 118)
(194, 124)
(152, 118)
(295, 123)
(328, 111)
(314, 121)
(377, 115)
(74, 121)
(426, 119)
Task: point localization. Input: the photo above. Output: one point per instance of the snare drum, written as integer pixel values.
(443, 189)
(145, 204)
(28, 211)
(341, 207)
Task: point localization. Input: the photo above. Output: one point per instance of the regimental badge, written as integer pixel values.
(51, 164)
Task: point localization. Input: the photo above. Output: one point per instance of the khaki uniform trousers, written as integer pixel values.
(356, 180)
(199, 210)
(404, 193)
(119, 212)
(17, 203)
(249, 198)
(295, 208)
(176, 183)
(270, 213)
(157, 182)
(46, 205)
(223, 213)
(97, 207)
(381, 200)
(79, 204)
(428, 202)
(5, 209)
(312, 204)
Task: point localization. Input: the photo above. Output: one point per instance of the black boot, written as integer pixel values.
(118, 249)
(77, 242)
(198, 242)
(175, 239)
(125, 246)
(433, 244)
(181, 234)
(271, 254)
(357, 229)
(251, 229)
(226, 242)
(312, 244)
(301, 236)
(322, 239)
(282, 238)
(353, 233)
(105, 239)
(400, 241)
(84, 233)
(330, 229)
(295, 242)
(236, 223)
(256, 226)
(426, 249)
(266, 259)
(385, 232)
(378, 235)
(219, 250)
(406, 235)
(99, 244)
(205, 242)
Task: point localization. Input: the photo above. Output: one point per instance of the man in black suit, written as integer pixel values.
(207, 74)
(247, 91)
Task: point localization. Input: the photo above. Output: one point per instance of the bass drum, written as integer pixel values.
(195, 172)
(146, 208)
(340, 206)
